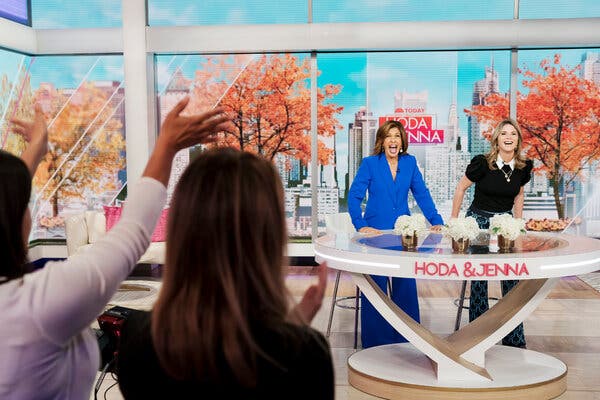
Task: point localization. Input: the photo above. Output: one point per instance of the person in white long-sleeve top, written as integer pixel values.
(47, 349)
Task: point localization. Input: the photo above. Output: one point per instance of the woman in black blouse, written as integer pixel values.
(499, 178)
(222, 327)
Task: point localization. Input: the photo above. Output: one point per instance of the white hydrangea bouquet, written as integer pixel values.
(410, 225)
(461, 228)
(507, 226)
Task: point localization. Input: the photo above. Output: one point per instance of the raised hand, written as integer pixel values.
(179, 132)
(36, 134)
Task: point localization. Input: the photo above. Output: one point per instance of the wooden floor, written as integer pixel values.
(566, 325)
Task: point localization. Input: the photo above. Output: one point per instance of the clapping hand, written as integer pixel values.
(312, 300)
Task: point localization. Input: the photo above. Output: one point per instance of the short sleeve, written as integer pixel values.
(477, 168)
(527, 172)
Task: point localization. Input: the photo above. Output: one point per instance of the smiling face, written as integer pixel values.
(397, 137)
(392, 144)
(508, 139)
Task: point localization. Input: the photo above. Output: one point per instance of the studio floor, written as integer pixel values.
(566, 325)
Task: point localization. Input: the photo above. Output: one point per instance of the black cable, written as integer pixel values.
(101, 379)
(108, 388)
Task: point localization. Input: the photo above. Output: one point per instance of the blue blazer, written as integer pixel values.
(388, 198)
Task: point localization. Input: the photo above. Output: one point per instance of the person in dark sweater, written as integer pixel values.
(499, 178)
(222, 326)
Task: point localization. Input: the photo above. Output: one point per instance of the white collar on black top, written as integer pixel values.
(501, 163)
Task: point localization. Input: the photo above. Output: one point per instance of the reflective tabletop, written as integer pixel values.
(534, 255)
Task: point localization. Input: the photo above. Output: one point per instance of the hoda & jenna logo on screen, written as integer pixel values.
(419, 128)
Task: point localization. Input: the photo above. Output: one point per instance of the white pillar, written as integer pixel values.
(140, 99)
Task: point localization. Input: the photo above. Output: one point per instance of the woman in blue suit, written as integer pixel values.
(387, 176)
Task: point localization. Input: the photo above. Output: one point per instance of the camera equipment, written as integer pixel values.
(111, 324)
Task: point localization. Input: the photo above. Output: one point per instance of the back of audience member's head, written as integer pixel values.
(224, 273)
(15, 189)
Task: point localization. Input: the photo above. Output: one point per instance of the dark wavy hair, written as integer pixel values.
(15, 189)
(224, 270)
(383, 132)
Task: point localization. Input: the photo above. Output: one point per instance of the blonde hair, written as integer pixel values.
(492, 155)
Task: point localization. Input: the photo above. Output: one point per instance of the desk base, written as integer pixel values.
(399, 371)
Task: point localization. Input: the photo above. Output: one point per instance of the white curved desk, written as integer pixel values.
(466, 364)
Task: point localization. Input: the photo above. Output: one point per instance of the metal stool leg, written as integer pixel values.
(333, 299)
(334, 303)
(356, 307)
(461, 302)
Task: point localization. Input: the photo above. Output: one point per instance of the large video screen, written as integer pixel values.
(15, 10)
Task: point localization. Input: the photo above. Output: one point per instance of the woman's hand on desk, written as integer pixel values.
(367, 230)
(436, 228)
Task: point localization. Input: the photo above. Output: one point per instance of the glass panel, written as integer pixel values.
(215, 12)
(270, 97)
(51, 14)
(82, 98)
(345, 77)
(557, 111)
(559, 9)
(427, 92)
(410, 10)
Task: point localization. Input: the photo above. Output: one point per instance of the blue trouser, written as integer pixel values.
(375, 330)
(478, 303)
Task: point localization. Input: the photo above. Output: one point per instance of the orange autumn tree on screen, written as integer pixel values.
(559, 119)
(270, 102)
(85, 149)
